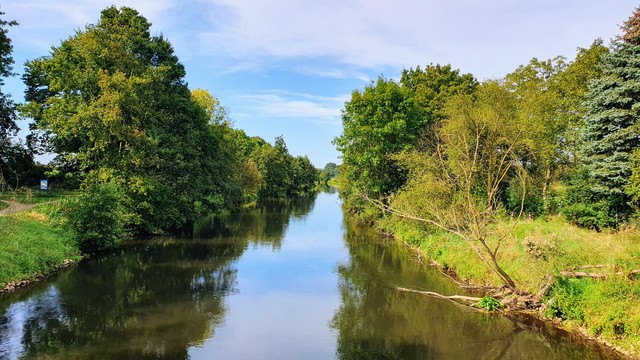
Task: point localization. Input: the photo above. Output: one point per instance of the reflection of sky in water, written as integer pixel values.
(286, 297)
(39, 308)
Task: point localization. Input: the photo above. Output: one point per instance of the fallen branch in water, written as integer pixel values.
(440, 296)
(508, 299)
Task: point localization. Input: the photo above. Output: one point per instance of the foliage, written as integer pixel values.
(17, 167)
(96, 219)
(611, 132)
(565, 298)
(386, 118)
(282, 174)
(456, 188)
(113, 101)
(329, 172)
(489, 303)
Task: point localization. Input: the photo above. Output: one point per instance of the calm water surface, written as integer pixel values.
(291, 280)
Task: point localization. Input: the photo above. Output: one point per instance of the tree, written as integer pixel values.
(550, 95)
(386, 118)
(114, 101)
(217, 113)
(304, 177)
(329, 172)
(276, 167)
(611, 130)
(457, 187)
(377, 122)
(16, 163)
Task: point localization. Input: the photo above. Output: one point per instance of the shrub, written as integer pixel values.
(566, 299)
(96, 219)
(490, 304)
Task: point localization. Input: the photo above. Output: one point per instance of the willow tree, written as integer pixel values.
(457, 187)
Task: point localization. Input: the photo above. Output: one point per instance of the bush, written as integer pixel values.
(96, 219)
(566, 299)
(490, 304)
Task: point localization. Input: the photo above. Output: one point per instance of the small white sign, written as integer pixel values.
(44, 184)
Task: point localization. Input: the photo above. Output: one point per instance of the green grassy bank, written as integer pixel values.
(32, 245)
(605, 305)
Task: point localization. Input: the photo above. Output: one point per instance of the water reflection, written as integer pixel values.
(290, 280)
(375, 321)
(265, 224)
(150, 299)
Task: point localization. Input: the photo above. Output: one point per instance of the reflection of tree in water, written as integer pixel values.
(264, 225)
(154, 302)
(375, 321)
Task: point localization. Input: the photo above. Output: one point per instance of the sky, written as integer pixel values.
(286, 67)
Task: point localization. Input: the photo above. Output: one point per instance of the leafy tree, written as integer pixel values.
(113, 100)
(377, 122)
(217, 113)
(329, 172)
(276, 166)
(305, 176)
(457, 187)
(17, 166)
(550, 95)
(386, 118)
(431, 87)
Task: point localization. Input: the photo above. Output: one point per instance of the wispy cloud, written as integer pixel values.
(488, 38)
(304, 107)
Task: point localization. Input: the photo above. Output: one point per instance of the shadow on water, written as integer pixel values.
(375, 321)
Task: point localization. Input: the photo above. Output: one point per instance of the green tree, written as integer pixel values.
(276, 167)
(377, 122)
(114, 101)
(457, 187)
(305, 176)
(16, 163)
(611, 130)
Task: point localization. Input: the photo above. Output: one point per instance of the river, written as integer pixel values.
(290, 280)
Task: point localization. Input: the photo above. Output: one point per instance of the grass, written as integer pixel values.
(3, 205)
(30, 196)
(31, 245)
(535, 248)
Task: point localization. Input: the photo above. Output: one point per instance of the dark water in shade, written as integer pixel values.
(292, 280)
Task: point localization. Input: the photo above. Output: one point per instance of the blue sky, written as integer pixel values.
(286, 67)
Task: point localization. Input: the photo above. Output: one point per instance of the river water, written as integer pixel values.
(290, 280)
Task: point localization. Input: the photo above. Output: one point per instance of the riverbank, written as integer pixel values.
(33, 247)
(596, 287)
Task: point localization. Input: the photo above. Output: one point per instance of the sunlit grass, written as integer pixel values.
(31, 245)
(541, 247)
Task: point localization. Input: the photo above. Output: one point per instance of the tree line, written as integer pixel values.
(111, 101)
(552, 137)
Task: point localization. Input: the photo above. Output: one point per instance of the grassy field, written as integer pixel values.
(31, 245)
(607, 308)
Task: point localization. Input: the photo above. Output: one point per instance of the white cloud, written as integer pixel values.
(284, 104)
(489, 38)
